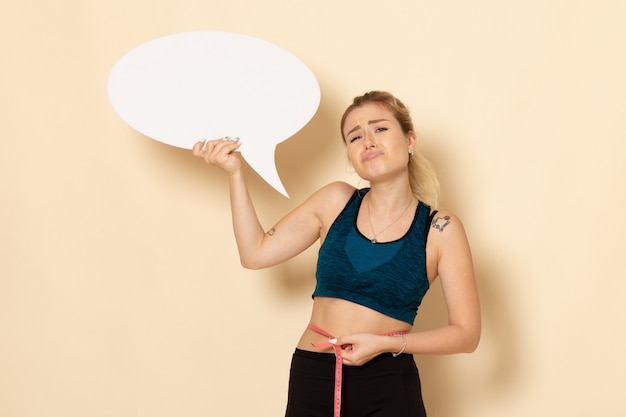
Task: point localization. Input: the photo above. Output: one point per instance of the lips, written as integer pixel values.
(371, 155)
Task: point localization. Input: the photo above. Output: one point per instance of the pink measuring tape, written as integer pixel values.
(338, 361)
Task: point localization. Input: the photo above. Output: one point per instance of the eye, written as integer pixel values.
(381, 129)
(354, 138)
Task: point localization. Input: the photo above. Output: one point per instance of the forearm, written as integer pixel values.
(441, 341)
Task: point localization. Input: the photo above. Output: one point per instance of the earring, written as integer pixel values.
(411, 152)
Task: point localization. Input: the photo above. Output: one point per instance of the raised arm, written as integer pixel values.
(257, 247)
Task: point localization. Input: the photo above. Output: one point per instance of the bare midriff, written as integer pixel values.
(341, 318)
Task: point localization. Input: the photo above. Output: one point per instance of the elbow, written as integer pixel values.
(471, 344)
(466, 339)
(250, 263)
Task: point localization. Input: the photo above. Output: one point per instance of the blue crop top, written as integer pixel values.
(389, 277)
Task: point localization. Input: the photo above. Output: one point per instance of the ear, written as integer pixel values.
(411, 141)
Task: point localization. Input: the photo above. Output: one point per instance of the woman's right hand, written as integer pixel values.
(219, 152)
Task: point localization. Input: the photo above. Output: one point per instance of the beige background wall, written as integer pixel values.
(120, 289)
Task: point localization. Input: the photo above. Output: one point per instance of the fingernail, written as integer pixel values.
(332, 341)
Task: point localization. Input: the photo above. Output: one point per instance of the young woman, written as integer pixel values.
(381, 249)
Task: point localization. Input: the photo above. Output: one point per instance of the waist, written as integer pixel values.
(323, 364)
(341, 318)
(338, 367)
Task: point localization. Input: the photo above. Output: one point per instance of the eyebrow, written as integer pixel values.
(371, 122)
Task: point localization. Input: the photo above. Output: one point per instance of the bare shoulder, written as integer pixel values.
(333, 192)
(324, 202)
(330, 200)
(337, 189)
(446, 228)
(444, 220)
(448, 247)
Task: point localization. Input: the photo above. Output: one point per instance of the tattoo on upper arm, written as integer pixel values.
(440, 223)
(271, 231)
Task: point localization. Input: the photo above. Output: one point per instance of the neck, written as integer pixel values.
(394, 210)
(388, 198)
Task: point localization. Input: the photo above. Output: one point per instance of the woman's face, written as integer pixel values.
(377, 147)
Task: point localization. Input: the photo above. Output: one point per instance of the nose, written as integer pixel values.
(368, 139)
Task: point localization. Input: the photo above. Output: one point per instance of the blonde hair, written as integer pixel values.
(422, 176)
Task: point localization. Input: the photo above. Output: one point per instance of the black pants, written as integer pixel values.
(383, 387)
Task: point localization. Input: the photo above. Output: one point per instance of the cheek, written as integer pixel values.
(352, 155)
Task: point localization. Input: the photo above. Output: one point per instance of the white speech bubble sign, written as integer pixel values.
(181, 88)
